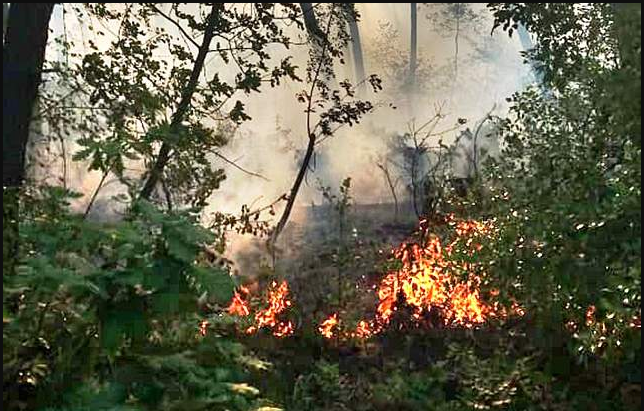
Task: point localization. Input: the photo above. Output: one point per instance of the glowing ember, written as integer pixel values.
(203, 327)
(363, 330)
(327, 326)
(590, 315)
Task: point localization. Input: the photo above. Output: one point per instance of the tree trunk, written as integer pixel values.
(182, 109)
(310, 149)
(319, 40)
(311, 24)
(527, 44)
(23, 58)
(456, 35)
(392, 187)
(23, 55)
(294, 190)
(414, 45)
(5, 18)
(357, 54)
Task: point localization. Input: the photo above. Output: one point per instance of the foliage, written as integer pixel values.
(323, 389)
(102, 315)
(112, 315)
(569, 185)
(393, 61)
(138, 87)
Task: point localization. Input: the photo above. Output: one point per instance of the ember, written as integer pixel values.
(327, 326)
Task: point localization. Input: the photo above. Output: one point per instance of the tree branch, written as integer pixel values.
(237, 166)
(179, 115)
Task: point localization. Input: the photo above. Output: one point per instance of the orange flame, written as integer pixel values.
(277, 303)
(363, 330)
(267, 317)
(327, 326)
(238, 305)
(427, 280)
(431, 278)
(203, 327)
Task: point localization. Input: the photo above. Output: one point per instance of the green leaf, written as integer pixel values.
(218, 283)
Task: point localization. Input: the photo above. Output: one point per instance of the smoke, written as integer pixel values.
(272, 143)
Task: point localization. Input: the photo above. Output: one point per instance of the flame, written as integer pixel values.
(432, 278)
(428, 280)
(363, 330)
(278, 302)
(203, 327)
(326, 328)
(238, 305)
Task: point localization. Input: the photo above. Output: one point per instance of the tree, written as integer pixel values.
(413, 49)
(454, 18)
(422, 162)
(383, 163)
(23, 55)
(569, 183)
(174, 115)
(186, 96)
(338, 108)
(356, 48)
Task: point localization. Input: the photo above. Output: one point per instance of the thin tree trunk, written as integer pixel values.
(414, 189)
(358, 60)
(182, 109)
(310, 148)
(5, 18)
(458, 31)
(23, 56)
(96, 191)
(527, 45)
(385, 170)
(414, 45)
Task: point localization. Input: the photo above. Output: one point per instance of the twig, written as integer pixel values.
(237, 166)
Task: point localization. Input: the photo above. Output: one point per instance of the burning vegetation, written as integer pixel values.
(432, 287)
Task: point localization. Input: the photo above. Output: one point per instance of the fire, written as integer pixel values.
(363, 330)
(268, 317)
(203, 327)
(238, 305)
(327, 326)
(428, 280)
(277, 302)
(432, 278)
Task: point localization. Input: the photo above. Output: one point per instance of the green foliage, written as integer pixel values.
(323, 389)
(412, 391)
(105, 316)
(143, 83)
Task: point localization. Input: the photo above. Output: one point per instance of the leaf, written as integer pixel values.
(181, 250)
(244, 389)
(217, 283)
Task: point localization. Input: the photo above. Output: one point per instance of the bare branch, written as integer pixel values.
(237, 166)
